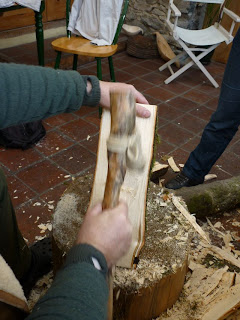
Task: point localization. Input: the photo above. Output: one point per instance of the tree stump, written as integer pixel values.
(156, 281)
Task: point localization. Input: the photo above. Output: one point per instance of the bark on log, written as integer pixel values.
(212, 198)
(145, 292)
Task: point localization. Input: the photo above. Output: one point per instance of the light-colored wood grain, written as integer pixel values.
(224, 305)
(134, 188)
(82, 46)
(165, 50)
(190, 218)
(173, 165)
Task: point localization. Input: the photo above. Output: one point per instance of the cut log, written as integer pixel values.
(134, 188)
(215, 197)
(141, 293)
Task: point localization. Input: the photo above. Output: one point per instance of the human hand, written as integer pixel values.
(109, 231)
(106, 87)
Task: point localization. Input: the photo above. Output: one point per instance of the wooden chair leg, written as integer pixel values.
(111, 68)
(99, 68)
(39, 34)
(58, 59)
(75, 61)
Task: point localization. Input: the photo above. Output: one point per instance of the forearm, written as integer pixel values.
(29, 93)
(79, 290)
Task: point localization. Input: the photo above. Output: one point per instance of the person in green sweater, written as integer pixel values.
(79, 291)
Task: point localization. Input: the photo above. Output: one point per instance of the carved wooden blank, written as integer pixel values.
(134, 189)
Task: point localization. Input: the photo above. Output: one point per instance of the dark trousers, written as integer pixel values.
(224, 122)
(13, 248)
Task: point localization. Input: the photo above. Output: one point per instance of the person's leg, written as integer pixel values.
(13, 248)
(220, 130)
(224, 122)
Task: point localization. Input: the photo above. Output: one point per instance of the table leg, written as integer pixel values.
(39, 34)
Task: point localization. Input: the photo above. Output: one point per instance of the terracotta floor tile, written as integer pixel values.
(137, 70)
(52, 143)
(216, 68)
(140, 84)
(93, 118)
(42, 176)
(163, 148)
(191, 144)
(161, 122)
(155, 78)
(79, 129)
(75, 159)
(30, 216)
(208, 88)
(123, 76)
(180, 156)
(221, 174)
(202, 112)
(91, 143)
(84, 110)
(230, 163)
(17, 159)
(121, 64)
(176, 87)
(131, 59)
(182, 103)
(190, 123)
(152, 100)
(236, 148)
(60, 119)
(197, 96)
(150, 65)
(190, 79)
(212, 103)
(168, 112)
(53, 195)
(173, 134)
(159, 93)
(19, 192)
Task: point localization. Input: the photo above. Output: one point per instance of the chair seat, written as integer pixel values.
(82, 46)
(204, 37)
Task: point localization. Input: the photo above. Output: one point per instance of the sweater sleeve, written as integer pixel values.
(79, 290)
(29, 93)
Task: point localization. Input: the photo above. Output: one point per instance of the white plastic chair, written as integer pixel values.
(211, 36)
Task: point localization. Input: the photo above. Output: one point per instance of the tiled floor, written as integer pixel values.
(37, 177)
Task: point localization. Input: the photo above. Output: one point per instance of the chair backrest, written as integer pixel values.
(120, 22)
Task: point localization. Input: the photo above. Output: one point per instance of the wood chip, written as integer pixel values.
(224, 254)
(158, 170)
(173, 164)
(209, 177)
(190, 218)
(224, 305)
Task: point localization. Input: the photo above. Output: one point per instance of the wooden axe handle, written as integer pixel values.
(123, 115)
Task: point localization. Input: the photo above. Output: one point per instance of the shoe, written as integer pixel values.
(181, 181)
(41, 264)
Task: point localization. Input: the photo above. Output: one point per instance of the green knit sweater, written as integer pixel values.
(79, 291)
(29, 93)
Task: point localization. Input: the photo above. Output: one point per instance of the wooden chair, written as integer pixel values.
(203, 41)
(81, 46)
